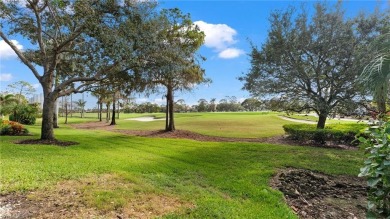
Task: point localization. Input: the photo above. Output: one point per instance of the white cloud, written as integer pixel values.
(5, 77)
(220, 37)
(5, 50)
(230, 53)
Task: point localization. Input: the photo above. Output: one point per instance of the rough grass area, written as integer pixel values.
(197, 179)
(106, 195)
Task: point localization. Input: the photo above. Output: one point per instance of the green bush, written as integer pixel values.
(340, 133)
(23, 119)
(377, 170)
(24, 114)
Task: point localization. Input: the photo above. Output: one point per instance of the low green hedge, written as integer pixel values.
(340, 133)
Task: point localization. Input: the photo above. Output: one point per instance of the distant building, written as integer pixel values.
(37, 98)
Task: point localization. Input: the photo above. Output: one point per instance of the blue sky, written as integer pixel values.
(229, 27)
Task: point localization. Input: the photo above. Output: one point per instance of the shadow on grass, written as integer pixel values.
(222, 180)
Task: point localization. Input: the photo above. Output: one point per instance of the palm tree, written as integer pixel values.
(376, 75)
(81, 104)
(100, 93)
(6, 103)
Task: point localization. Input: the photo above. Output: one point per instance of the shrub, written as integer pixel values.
(24, 114)
(377, 170)
(23, 119)
(12, 128)
(344, 133)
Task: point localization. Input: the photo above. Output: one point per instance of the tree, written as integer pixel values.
(100, 93)
(376, 75)
(81, 105)
(21, 88)
(251, 104)
(65, 108)
(176, 62)
(7, 102)
(78, 43)
(312, 62)
(202, 105)
(180, 106)
(229, 104)
(213, 105)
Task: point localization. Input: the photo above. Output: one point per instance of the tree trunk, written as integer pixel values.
(171, 125)
(62, 111)
(71, 106)
(380, 98)
(166, 113)
(113, 112)
(66, 113)
(321, 120)
(100, 111)
(47, 130)
(55, 116)
(107, 112)
(118, 110)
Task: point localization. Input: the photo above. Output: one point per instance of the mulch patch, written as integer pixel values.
(315, 195)
(47, 142)
(18, 135)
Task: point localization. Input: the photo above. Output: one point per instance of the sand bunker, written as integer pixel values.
(144, 119)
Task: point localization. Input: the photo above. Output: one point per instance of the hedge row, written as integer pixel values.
(340, 133)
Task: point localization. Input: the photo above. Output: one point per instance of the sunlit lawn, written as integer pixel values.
(240, 125)
(315, 119)
(220, 180)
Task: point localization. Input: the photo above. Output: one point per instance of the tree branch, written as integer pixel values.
(21, 56)
(39, 27)
(80, 89)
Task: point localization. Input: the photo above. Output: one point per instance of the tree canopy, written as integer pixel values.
(376, 75)
(75, 42)
(312, 62)
(176, 64)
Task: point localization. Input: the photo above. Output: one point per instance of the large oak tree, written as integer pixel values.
(312, 62)
(75, 42)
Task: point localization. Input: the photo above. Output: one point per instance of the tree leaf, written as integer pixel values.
(373, 182)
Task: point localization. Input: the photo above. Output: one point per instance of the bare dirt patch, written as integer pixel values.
(104, 196)
(47, 142)
(315, 195)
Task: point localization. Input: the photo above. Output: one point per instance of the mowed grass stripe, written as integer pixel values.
(222, 180)
(238, 125)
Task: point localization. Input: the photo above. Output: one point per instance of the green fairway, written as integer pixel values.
(239, 125)
(215, 180)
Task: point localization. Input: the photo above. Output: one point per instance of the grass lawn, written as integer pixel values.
(315, 119)
(239, 125)
(209, 179)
